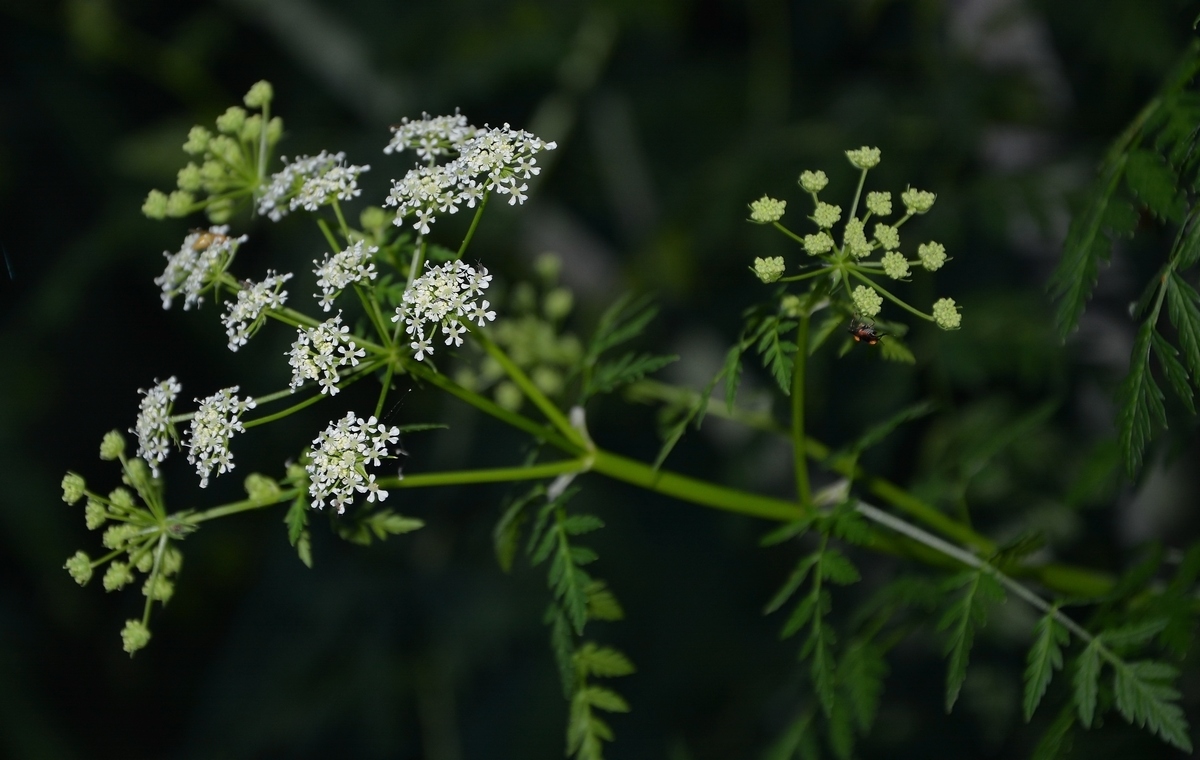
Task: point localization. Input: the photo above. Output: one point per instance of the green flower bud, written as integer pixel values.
(261, 489)
(197, 141)
(790, 305)
(189, 178)
(855, 240)
(145, 562)
(864, 157)
(879, 204)
(117, 576)
(72, 487)
(895, 265)
(251, 130)
(226, 149)
(766, 210)
(94, 514)
(509, 396)
(134, 636)
(116, 536)
(818, 244)
(548, 380)
(917, 201)
(122, 499)
(557, 303)
(179, 203)
(137, 472)
(79, 565)
(769, 270)
(231, 121)
(158, 588)
(888, 236)
(826, 215)
(932, 255)
(155, 205)
(172, 561)
(374, 218)
(274, 130)
(219, 210)
(945, 314)
(260, 94)
(112, 446)
(813, 182)
(866, 301)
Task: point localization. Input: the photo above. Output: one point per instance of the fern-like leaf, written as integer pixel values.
(969, 611)
(1141, 403)
(1045, 657)
(1182, 307)
(1087, 682)
(1145, 697)
(1154, 182)
(608, 376)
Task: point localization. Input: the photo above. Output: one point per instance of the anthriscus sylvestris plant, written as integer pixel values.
(392, 301)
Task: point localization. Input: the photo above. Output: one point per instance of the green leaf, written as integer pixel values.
(793, 582)
(603, 699)
(1045, 657)
(788, 531)
(1133, 635)
(1176, 375)
(507, 534)
(1084, 249)
(800, 616)
(562, 643)
(1120, 219)
(893, 349)
(877, 433)
(836, 568)
(1145, 697)
(860, 674)
(823, 331)
(733, 373)
(819, 648)
(1185, 315)
(623, 321)
(1141, 403)
(604, 662)
(1018, 548)
(965, 614)
(602, 604)
(1056, 742)
(608, 376)
(1154, 183)
(296, 519)
(577, 525)
(387, 523)
(1087, 680)
(1187, 251)
(787, 746)
(304, 548)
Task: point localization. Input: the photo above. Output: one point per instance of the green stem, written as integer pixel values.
(333, 244)
(862, 180)
(337, 210)
(154, 570)
(474, 223)
(531, 391)
(418, 259)
(807, 275)
(788, 232)
(799, 460)
(495, 475)
(383, 390)
(237, 507)
(888, 295)
(349, 380)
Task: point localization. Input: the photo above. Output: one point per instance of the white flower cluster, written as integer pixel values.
(431, 136)
(351, 265)
(340, 455)
(153, 427)
(200, 260)
(243, 317)
(319, 351)
(215, 422)
(443, 296)
(489, 159)
(310, 182)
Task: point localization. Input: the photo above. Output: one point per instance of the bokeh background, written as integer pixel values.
(670, 115)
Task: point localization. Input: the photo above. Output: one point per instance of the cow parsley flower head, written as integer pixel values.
(932, 255)
(826, 215)
(888, 236)
(431, 136)
(946, 314)
(340, 455)
(879, 204)
(243, 317)
(866, 301)
(813, 182)
(310, 182)
(491, 159)
(769, 270)
(204, 255)
(318, 353)
(767, 209)
(818, 244)
(154, 429)
(917, 201)
(214, 423)
(351, 265)
(864, 157)
(443, 296)
(895, 265)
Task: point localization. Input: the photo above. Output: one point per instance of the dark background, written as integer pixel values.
(670, 117)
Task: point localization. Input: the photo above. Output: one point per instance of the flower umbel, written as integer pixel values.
(214, 423)
(204, 255)
(318, 353)
(342, 269)
(443, 296)
(769, 270)
(866, 301)
(340, 455)
(243, 317)
(946, 314)
(766, 210)
(154, 428)
(310, 182)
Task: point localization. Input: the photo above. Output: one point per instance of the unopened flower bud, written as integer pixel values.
(158, 588)
(818, 244)
(769, 270)
(557, 303)
(231, 121)
(945, 314)
(155, 205)
(864, 157)
(179, 203)
(261, 489)
(790, 306)
(94, 514)
(79, 565)
(895, 265)
(189, 178)
(932, 255)
(134, 636)
(813, 182)
(260, 94)
(112, 446)
(879, 204)
(509, 396)
(826, 215)
(855, 240)
(117, 576)
(917, 201)
(766, 210)
(866, 301)
(73, 486)
(888, 236)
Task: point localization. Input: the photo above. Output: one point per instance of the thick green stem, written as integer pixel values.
(799, 460)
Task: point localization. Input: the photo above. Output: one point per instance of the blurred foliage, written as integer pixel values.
(671, 116)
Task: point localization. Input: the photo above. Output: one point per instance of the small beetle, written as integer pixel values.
(863, 331)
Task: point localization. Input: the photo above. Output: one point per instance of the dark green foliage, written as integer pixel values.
(625, 320)
(770, 337)
(296, 520)
(1145, 697)
(1154, 183)
(1056, 741)
(1045, 657)
(859, 685)
(362, 526)
(978, 591)
(506, 536)
(1141, 403)
(1087, 680)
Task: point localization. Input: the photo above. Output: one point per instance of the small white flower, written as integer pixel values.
(318, 353)
(340, 455)
(243, 317)
(335, 273)
(215, 422)
(442, 297)
(204, 255)
(153, 428)
(431, 136)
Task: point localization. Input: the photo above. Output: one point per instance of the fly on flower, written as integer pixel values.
(864, 332)
(206, 238)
